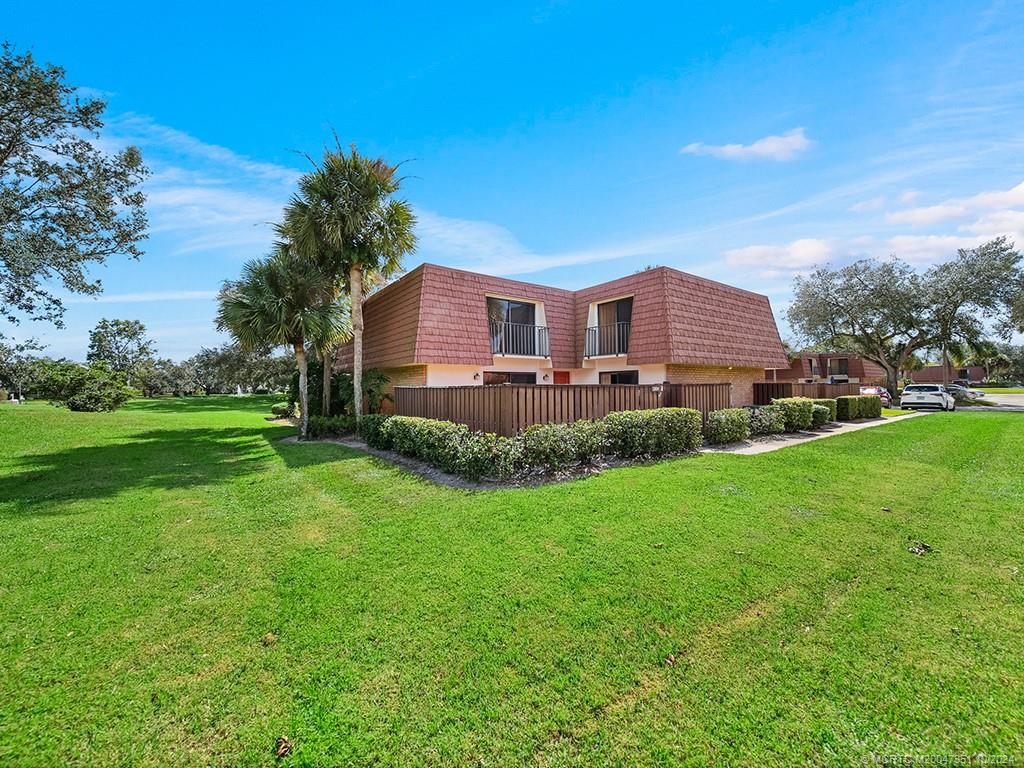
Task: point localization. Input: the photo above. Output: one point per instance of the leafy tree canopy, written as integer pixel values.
(64, 203)
(120, 344)
(887, 312)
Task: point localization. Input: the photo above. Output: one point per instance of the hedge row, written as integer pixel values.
(729, 425)
(322, 426)
(767, 420)
(850, 407)
(457, 449)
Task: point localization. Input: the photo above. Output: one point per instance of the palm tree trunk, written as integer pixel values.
(945, 364)
(300, 359)
(355, 282)
(328, 361)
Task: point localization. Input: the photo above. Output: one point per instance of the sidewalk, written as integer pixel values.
(770, 443)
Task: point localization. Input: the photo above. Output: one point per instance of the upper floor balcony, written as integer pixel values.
(519, 339)
(611, 339)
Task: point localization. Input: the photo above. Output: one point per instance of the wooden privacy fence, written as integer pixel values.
(766, 391)
(507, 409)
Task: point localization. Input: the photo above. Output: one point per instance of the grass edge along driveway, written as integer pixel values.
(179, 587)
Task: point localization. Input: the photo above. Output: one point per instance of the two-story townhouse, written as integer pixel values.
(838, 367)
(438, 326)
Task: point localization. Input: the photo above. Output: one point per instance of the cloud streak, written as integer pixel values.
(779, 148)
(144, 297)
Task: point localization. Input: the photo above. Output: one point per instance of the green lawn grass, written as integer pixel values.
(715, 609)
(1003, 390)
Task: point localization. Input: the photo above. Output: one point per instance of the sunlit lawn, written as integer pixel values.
(720, 609)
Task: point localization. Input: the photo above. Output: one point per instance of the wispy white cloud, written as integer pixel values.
(797, 255)
(960, 207)
(874, 204)
(784, 147)
(144, 297)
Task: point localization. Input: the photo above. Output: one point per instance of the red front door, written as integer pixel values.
(561, 377)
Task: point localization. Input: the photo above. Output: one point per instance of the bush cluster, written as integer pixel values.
(322, 426)
(283, 409)
(767, 420)
(370, 429)
(655, 432)
(457, 449)
(850, 407)
(830, 403)
(819, 415)
(796, 412)
(729, 425)
(84, 387)
(451, 447)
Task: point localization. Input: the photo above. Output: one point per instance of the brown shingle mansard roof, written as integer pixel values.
(438, 315)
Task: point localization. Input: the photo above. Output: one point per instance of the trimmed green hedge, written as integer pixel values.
(819, 415)
(655, 432)
(729, 425)
(457, 449)
(321, 426)
(830, 403)
(870, 407)
(796, 411)
(852, 407)
(371, 430)
(767, 420)
(848, 407)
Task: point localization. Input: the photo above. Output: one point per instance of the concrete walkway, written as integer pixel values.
(771, 443)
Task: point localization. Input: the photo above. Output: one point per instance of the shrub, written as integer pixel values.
(374, 384)
(450, 447)
(796, 412)
(767, 420)
(729, 425)
(819, 415)
(848, 407)
(322, 426)
(870, 406)
(84, 388)
(371, 429)
(830, 403)
(559, 446)
(656, 432)
(283, 409)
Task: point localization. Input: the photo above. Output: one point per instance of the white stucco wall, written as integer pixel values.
(462, 375)
(649, 374)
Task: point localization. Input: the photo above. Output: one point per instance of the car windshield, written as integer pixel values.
(921, 388)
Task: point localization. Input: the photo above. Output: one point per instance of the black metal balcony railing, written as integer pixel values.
(519, 339)
(607, 340)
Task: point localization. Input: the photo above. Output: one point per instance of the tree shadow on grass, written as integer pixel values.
(199, 404)
(44, 483)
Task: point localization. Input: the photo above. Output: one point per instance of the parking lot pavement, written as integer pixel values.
(1006, 399)
(1012, 403)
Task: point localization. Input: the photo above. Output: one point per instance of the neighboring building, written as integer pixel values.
(932, 374)
(438, 326)
(838, 367)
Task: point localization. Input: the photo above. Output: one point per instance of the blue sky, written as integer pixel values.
(563, 143)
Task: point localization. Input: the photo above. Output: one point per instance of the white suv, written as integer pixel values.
(927, 396)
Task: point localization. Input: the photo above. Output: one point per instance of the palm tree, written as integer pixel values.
(345, 220)
(281, 300)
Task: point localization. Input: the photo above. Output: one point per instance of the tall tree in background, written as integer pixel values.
(281, 300)
(886, 311)
(870, 307)
(121, 345)
(18, 366)
(977, 285)
(345, 220)
(64, 204)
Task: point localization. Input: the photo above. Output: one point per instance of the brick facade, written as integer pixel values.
(405, 376)
(742, 379)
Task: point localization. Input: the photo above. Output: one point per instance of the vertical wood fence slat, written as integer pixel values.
(766, 391)
(510, 408)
